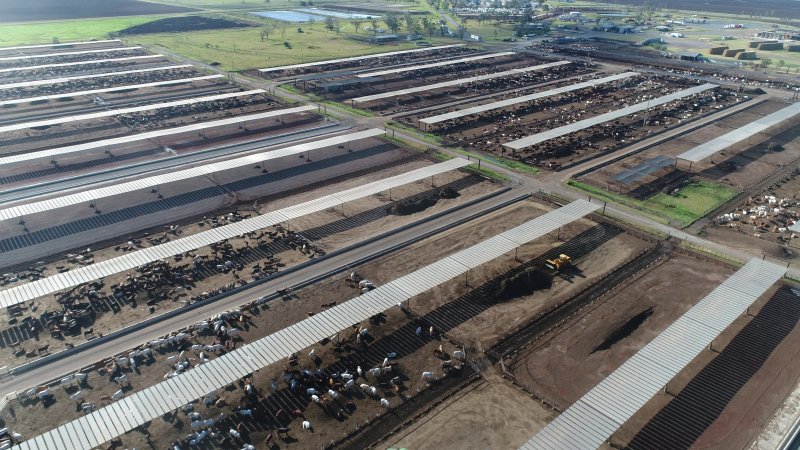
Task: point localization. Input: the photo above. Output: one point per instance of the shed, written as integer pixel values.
(689, 56)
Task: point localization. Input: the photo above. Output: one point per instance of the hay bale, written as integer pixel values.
(731, 53)
(770, 46)
(718, 50)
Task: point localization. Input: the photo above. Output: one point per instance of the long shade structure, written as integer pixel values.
(138, 408)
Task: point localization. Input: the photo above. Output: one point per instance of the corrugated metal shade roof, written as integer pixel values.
(86, 77)
(123, 87)
(133, 109)
(62, 44)
(82, 52)
(79, 63)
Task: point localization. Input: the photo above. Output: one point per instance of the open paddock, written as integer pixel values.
(760, 224)
(564, 364)
(655, 172)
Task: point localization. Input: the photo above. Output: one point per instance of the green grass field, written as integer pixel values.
(692, 202)
(241, 49)
(33, 33)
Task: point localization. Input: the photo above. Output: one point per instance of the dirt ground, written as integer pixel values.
(489, 414)
(748, 412)
(562, 366)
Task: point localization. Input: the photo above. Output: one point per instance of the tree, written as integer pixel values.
(55, 40)
(411, 22)
(374, 24)
(265, 31)
(356, 24)
(431, 28)
(392, 22)
(330, 23)
(311, 23)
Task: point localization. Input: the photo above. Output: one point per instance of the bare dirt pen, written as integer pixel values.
(592, 243)
(488, 131)
(563, 365)
(750, 372)
(327, 231)
(644, 180)
(490, 414)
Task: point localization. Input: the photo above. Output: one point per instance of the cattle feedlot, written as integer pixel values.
(431, 225)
